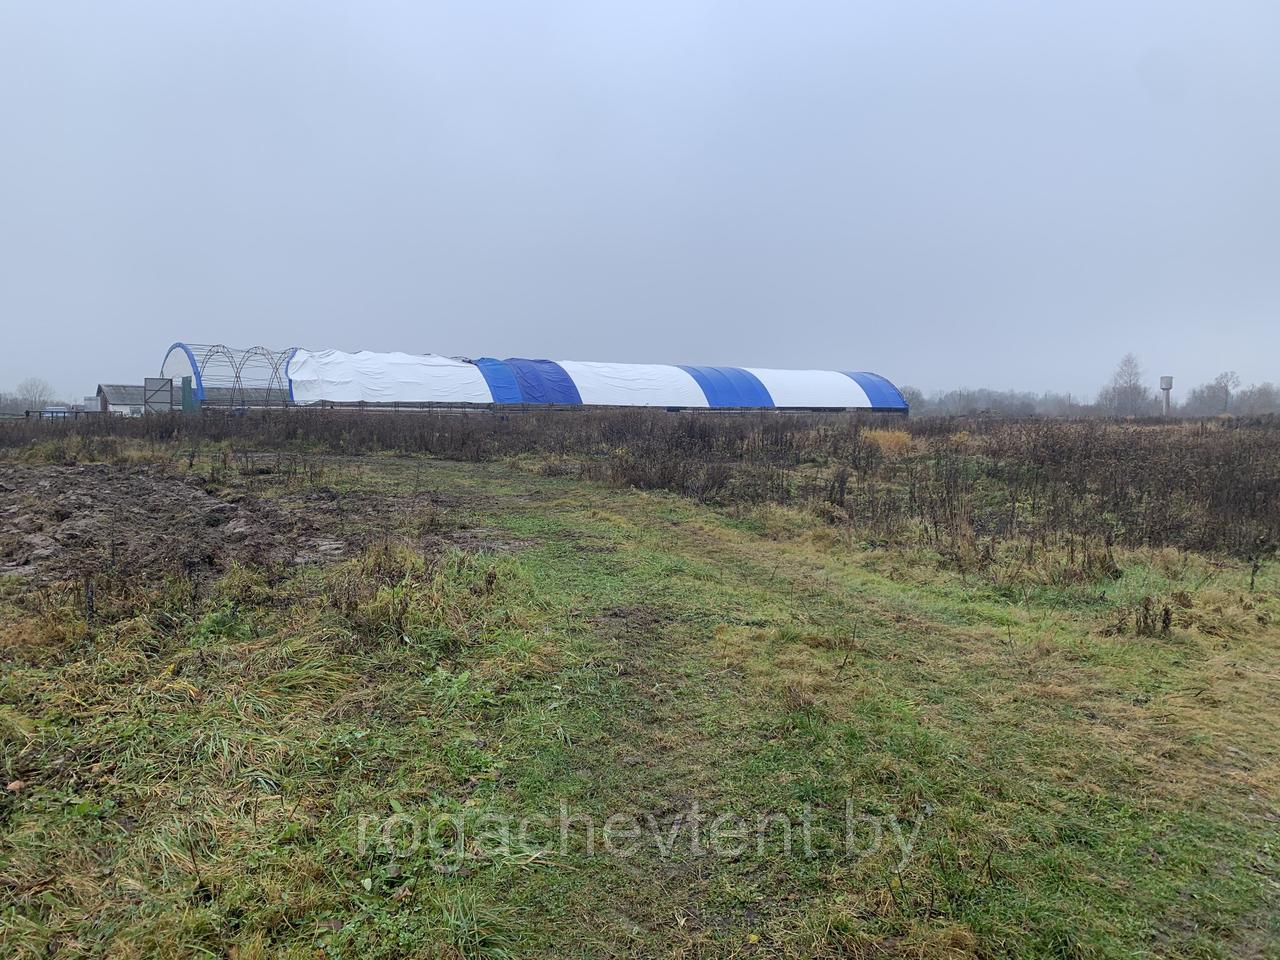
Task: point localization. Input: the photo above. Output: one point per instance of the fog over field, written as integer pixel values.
(988, 194)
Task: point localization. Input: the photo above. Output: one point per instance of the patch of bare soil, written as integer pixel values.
(60, 522)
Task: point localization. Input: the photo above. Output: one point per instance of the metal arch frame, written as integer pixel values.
(240, 370)
(273, 362)
(195, 368)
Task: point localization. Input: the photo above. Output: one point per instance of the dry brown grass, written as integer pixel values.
(892, 444)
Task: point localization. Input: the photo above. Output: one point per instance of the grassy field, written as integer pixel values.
(530, 710)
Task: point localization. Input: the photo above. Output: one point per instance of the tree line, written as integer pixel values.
(1128, 393)
(30, 394)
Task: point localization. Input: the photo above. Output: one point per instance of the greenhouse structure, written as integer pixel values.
(258, 377)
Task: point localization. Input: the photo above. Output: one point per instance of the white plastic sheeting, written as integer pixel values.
(384, 378)
(811, 388)
(634, 384)
(335, 376)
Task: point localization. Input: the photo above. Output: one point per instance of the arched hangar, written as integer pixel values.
(333, 376)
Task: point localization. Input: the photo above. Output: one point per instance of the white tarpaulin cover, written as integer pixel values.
(384, 378)
(334, 376)
(634, 384)
(811, 388)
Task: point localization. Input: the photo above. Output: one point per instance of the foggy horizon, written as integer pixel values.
(981, 196)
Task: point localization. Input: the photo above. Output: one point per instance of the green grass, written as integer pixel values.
(198, 773)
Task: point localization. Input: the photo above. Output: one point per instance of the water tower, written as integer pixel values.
(1166, 387)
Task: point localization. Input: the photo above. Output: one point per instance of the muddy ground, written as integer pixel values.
(62, 522)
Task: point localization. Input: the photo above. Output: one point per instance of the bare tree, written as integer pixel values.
(1212, 398)
(1224, 383)
(914, 397)
(1127, 395)
(34, 393)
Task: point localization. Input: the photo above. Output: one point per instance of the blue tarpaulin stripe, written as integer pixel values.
(730, 386)
(501, 381)
(543, 381)
(288, 379)
(882, 394)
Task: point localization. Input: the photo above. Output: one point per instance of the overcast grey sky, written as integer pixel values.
(1007, 194)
